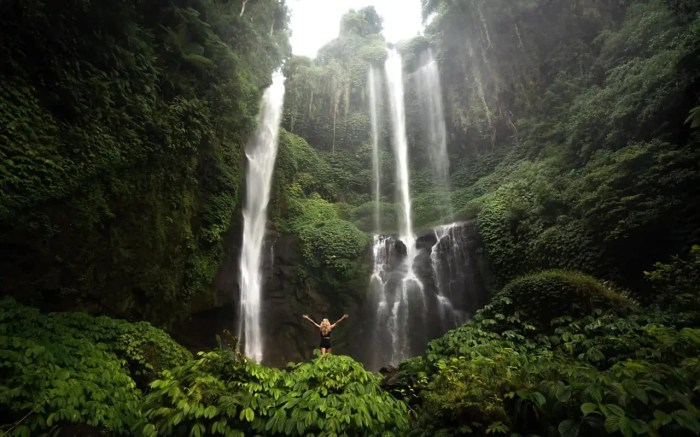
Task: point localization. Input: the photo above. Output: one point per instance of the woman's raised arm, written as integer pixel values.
(311, 320)
(345, 316)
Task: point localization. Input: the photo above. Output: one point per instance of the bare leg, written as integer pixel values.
(324, 351)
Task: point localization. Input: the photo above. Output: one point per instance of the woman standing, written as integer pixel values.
(325, 329)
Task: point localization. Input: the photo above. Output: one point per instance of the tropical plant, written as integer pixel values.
(62, 370)
(224, 393)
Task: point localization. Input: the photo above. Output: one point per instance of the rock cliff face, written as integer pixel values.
(449, 264)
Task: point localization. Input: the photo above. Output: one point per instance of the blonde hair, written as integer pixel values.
(325, 326)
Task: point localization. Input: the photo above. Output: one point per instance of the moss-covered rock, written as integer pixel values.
(541, 297)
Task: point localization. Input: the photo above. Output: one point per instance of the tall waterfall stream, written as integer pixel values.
(410, 307)
(261, 152)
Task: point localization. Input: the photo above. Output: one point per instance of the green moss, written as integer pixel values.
(541, 297)
(329, 245)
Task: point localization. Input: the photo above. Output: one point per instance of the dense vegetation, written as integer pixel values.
(602, 365)
(75, 374)
(71, 368)
(331, 247)
(221, 393)
(122, 126)
(573, 144)
(549, 370)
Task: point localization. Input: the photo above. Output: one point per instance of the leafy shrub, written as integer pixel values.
(336, 244)
(224, 393)
(515, 214)
(431, 207)
(677, 283)
(363, 216)
(354, 403)
(331, 248)
(644, 79)
(147, 351)
(599, 374)
(298, 162)
(60, 369)
(541, 297)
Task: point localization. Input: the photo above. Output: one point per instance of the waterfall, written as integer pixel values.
(261, 152)
(444, 269)
(421, 285)
(394, 77)
(374, 90)
(429, 91)
(378, 302)
(400, 297)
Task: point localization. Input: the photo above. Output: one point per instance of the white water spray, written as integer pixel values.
(414, 297)
(394, 77)
(409, 296)
(380, 303)
(430, 94)
(373, 84)
(449, 317)
(261, 152)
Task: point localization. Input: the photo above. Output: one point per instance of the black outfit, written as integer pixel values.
(325, 340)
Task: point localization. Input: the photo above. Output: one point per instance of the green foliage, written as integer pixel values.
(617, 210)
(497, 58)
(524, 222)
(598, 374)
(542, 297)
(362, 22)
(298, 162)
(694, 117)
(676, 283)
(326, 100)
(363, 216)
(431, 208)
(331, 247)
(223, 393)
(147, 351)
(634, 188)
(121, 159)
(572, 154)
(329, 244)
(71, 368)
(67, 371)
(644, 81)
(351, 171)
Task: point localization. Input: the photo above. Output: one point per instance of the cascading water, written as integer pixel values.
(261, 152)
(401, 302)
(374, 90)
(380, 250)
(378, 302)
(394, 77)
(429, 91)
(421, 286)
(444, 268)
